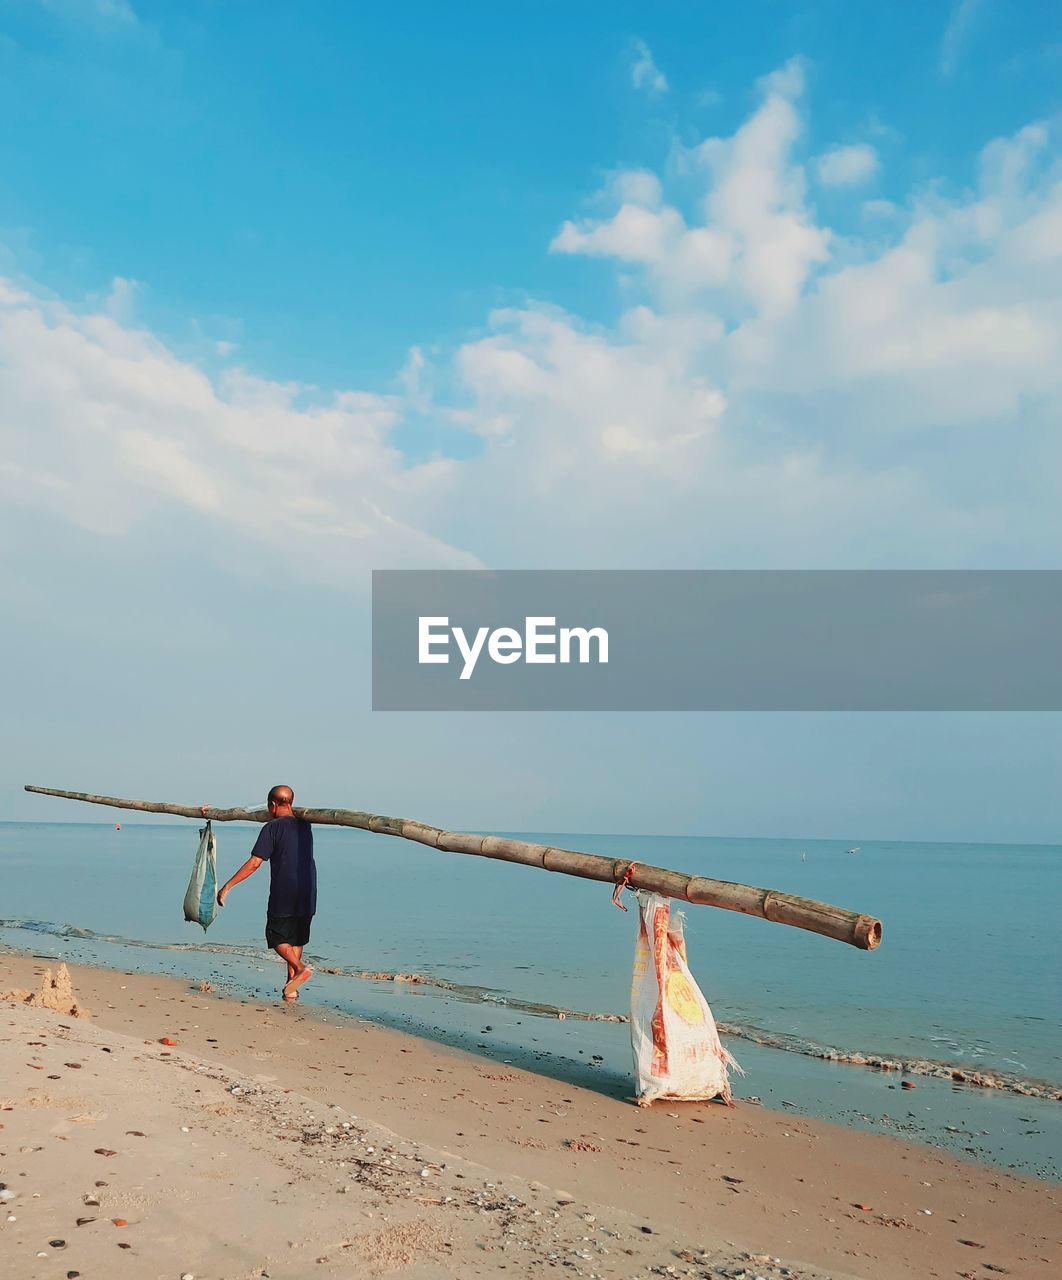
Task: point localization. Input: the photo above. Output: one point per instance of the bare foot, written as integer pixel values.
(303, 974)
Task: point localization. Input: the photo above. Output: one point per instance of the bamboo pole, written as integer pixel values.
(782, 908)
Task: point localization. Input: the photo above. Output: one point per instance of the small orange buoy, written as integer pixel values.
(167, 1040)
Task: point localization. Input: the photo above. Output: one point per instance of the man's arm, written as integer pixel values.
(248, 869)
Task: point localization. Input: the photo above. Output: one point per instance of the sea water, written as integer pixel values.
(967, 975)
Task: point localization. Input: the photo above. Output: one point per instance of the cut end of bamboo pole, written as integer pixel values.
(868, 933)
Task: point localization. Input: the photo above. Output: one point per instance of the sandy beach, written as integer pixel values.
(279, 1141)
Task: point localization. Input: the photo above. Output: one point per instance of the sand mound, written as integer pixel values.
(56, 993)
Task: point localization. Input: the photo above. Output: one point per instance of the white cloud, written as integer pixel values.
(772, 393)
(963, 17)
(946, 336)
(757, 236)
(883, 209)
(645, 74)
(120, 303)
(847, 166)
(107, 429)
(632, 234)
(785, 395)
(638, 186)
(787, 81)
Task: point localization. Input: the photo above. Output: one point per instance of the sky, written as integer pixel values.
(289, 293)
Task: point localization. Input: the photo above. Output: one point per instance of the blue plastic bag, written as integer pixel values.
(201, 897)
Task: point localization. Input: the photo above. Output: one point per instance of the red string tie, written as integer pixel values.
(621, 885)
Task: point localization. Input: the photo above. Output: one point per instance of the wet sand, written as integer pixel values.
(278, 1140)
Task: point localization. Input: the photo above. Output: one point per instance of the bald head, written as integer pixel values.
(282, 797)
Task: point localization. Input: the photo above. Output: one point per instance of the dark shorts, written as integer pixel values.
(294, 930)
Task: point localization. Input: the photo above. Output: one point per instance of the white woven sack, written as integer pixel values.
(677, 1050)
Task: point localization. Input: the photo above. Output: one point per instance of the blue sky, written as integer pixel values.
(292, 292)
(331, 190)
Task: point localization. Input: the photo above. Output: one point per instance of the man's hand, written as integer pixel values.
(248, 869)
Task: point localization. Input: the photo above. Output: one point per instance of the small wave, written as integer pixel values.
(115, 939)
(1005, 1081)
(471, 993)
(474, 994)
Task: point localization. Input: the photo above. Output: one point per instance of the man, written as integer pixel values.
(286, 843)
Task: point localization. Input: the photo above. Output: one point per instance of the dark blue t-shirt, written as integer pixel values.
(287, 845)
